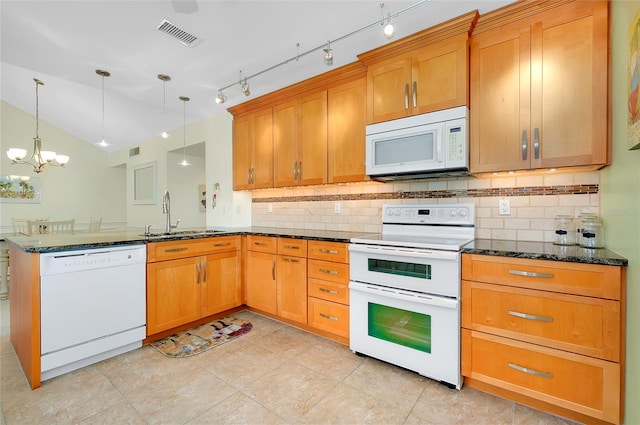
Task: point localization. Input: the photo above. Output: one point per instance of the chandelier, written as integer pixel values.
(38, 158)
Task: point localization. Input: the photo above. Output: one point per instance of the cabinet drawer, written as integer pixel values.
(160, 251)
(329, 251)
(326, 270)
(580, 383)
(262, 244)
(592, 280)
(294, 247)
(330, 291)
(589, 326)
(328, 316)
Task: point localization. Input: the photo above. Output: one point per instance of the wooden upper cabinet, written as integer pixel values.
(300, 140)
(346, 107)
(539, 90)
(429, 79)
(425, 72)
(253, 150)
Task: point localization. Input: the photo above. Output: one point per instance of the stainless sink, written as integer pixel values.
(185, 233)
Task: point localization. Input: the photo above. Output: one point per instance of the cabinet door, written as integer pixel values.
(312, 139)
(346, 107)
(262, 137)
(173, 294)
(285, 129)
(253, 151)
(569, 86)
(242, 153)
(260, 289)
(388, 89)
(500, 100)
(220, 287)
(292, 288)
(440, 76)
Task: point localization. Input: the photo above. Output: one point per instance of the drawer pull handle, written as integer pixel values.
(329, 291)
(530, 371)
(329, 251)
(326, 316)
(176, 249)
(291, 247)
(261, 243)
(290, 260)
(329, 271)
(531, 274)
(222, 244)
(530, 316)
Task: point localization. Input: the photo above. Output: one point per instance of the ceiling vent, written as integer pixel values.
(167, 28)
(134, 151)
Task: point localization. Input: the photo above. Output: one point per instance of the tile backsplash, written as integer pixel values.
(535, 200)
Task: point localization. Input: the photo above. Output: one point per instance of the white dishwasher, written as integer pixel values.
(92, 306)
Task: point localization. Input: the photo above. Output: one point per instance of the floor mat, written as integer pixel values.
(202, 338)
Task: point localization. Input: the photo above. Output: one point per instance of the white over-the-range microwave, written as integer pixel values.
(427, 145)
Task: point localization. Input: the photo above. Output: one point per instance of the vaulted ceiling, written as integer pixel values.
(62, 43)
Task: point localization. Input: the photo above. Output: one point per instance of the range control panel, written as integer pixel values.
(435, 214)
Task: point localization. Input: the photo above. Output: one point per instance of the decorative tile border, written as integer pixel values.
(578, 189)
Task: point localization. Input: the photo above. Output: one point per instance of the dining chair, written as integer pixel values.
(94, 226)
(21, 225)
(51, 227)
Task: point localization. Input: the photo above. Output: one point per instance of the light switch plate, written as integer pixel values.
(336, 208)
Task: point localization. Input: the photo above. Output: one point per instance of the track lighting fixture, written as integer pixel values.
(328, 56)
(184, 162)
(38, 158)
(389, 32)
(103, 74)
(221, 98)
(164, 79)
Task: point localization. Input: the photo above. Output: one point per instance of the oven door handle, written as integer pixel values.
(398, 294)
(405, 252)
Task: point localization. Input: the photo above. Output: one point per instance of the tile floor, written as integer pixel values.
(275, 374)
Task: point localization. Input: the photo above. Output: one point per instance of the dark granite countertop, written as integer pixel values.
(77, 241)
(544, 251)
(502, 248)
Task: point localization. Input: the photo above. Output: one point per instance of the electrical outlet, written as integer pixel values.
(270, 208)
(336, 208)
(504, 207)
(237, 209)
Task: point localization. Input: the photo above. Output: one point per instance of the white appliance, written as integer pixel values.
(426, 145)
(92, 306)
(405, 289)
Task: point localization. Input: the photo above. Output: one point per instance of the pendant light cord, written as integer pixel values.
(37, 114)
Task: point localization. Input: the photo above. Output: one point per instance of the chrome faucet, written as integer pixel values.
(166, 209)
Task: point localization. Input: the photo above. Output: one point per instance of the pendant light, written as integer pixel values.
(39, 157)
(164, 79)
(184, 100)
(103, 74)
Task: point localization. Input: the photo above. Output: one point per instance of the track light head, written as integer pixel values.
(389, 30)
(221, 98)
(245, 88)
(328, 55)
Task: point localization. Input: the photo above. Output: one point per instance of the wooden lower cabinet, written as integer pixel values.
(546, 333)
(184, 287)
(260, 290)
(328, 286)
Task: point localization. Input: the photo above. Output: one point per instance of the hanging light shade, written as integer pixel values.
(103, 74)
(184, 162)
(38, 158)
(164, 78)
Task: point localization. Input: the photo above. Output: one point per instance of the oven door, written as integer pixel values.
(415, 331)
(431, 271)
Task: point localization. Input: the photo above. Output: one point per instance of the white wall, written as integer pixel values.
(183, 189)
(88, 186)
